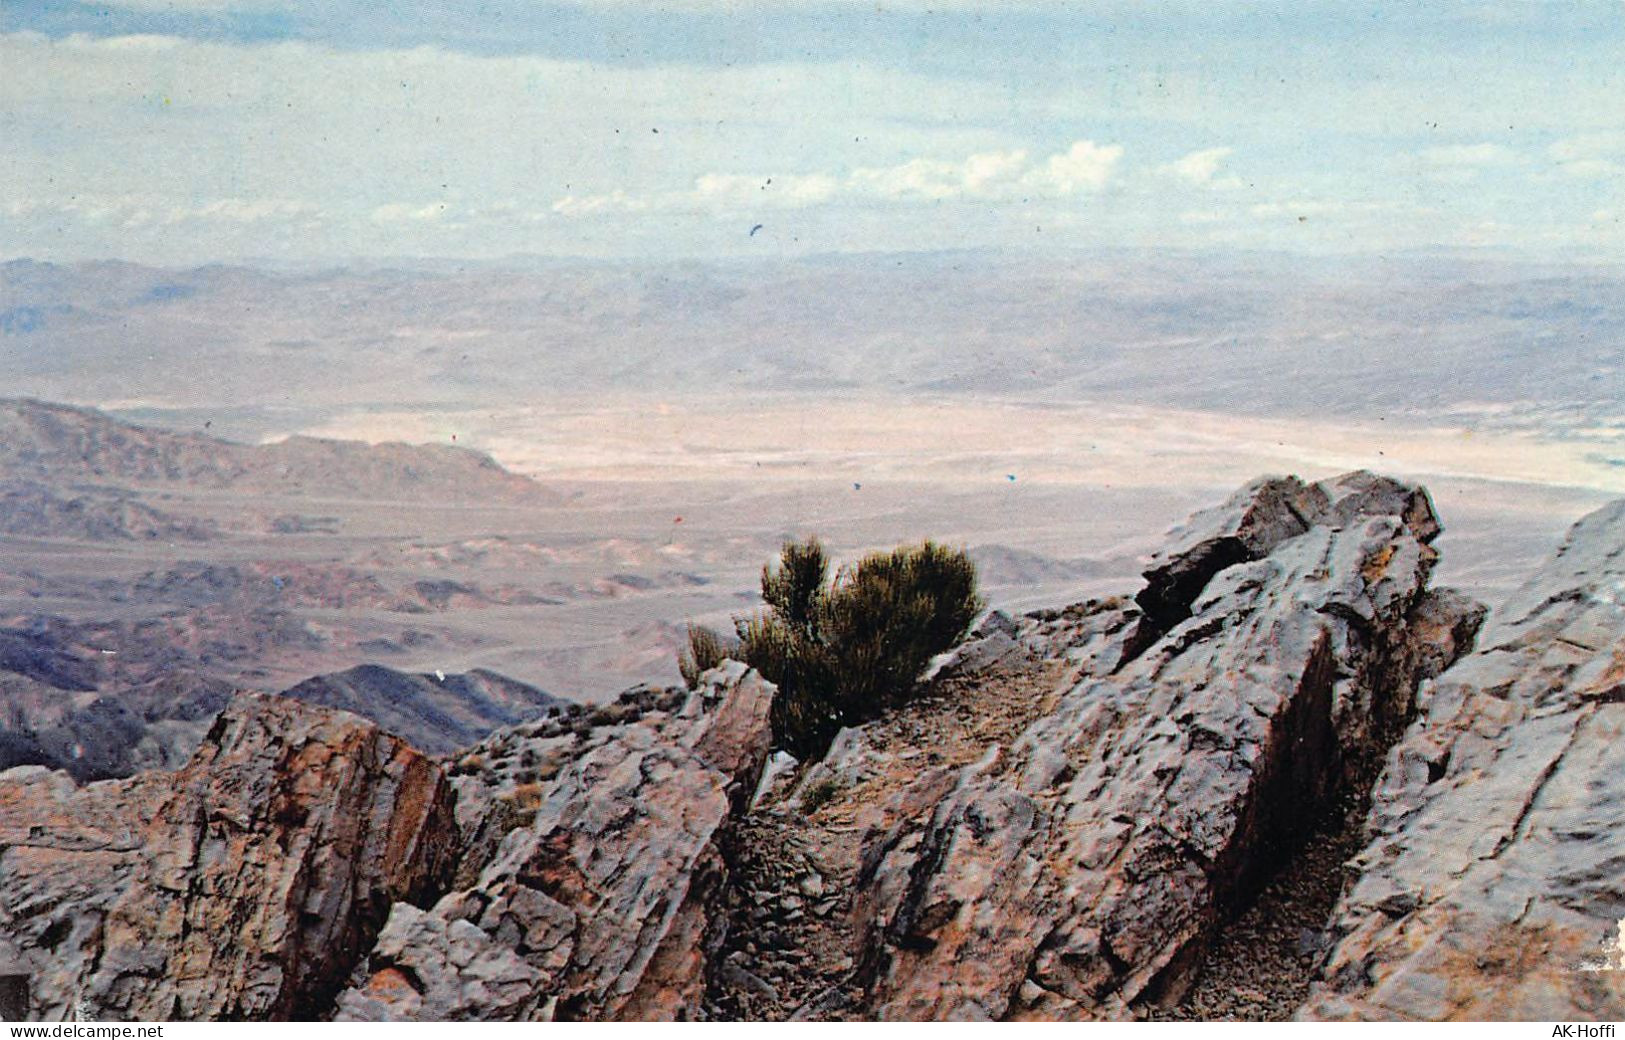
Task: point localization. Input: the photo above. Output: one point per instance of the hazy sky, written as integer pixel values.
(195, 130)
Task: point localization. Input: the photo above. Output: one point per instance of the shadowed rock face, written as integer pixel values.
(1078, 872)
(598, 901)
(243, 886)
(1492, 887)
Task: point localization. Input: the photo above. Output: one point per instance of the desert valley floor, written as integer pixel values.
(652, 513)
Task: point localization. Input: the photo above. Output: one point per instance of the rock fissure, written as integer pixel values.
(1516, 831)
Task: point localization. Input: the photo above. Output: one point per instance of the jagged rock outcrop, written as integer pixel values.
(591, 889)
(1494, 883)
(1078, 871)
(243, 886)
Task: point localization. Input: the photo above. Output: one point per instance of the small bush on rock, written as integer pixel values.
(842, 651)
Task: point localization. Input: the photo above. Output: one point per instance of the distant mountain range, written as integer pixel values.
(63, 707)
(270, 351)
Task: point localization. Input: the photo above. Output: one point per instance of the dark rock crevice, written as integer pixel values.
(1268, 949)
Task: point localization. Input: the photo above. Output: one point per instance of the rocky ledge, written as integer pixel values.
(1143, 806)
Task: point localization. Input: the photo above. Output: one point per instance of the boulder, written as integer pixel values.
(243, 886)
(603, 892)
(1491, 888)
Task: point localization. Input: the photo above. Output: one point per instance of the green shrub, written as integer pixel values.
(805, 715)
(704, 652)
(793, 590)
(886, 618)
(843, 651)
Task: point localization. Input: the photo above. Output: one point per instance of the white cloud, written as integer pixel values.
(1458, 164)
(985, 175)
(1304, 208)
(1085, 166)
(1598, 156)
(982, 177)
(1467, 155)
(396, 212)
(1486, 154)
(250, 211)
(131, 211)
(587, 205)
(1201, 168)
(734, 191)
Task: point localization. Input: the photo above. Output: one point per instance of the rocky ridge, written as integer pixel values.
(1135, 807)
(1200, 732)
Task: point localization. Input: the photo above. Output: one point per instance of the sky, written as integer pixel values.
(195, 131)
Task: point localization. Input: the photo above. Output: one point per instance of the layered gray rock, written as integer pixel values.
(1079, 871)
(1494, 883)
(598, 898)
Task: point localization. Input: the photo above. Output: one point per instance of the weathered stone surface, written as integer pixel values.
(606, 894)
(440, 970)
(1494, 883)
(242, 886)
(1077, 872)
(992, 643)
